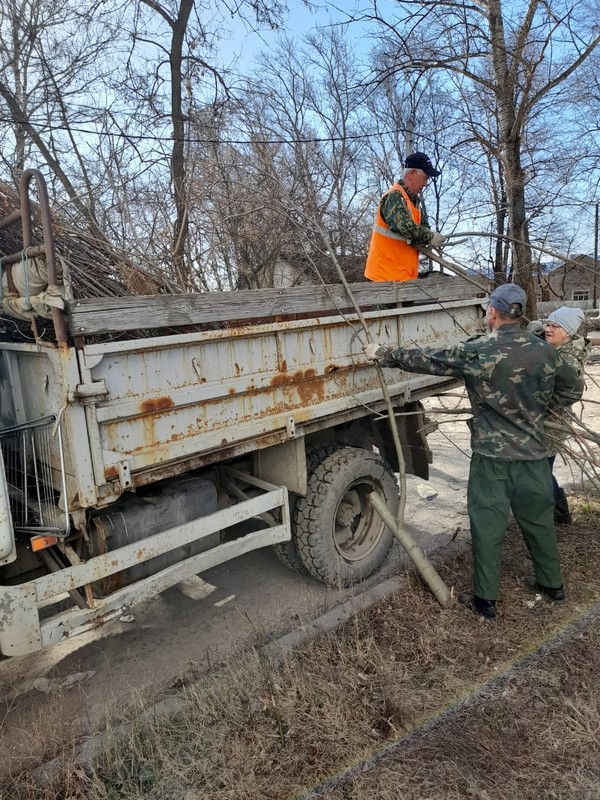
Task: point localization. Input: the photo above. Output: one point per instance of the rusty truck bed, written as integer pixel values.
(139, 410)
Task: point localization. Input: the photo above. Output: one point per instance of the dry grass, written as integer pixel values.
(406, 700)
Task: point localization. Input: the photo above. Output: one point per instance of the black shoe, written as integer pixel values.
(556, 595)
(485, 608)
(562, 515)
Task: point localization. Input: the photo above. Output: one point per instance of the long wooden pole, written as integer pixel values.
(450, 265)
(397, 526)
(486, 235)
(417, 556)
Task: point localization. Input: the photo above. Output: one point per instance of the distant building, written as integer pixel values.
(294, 268)
(303, 269)
(571, 281)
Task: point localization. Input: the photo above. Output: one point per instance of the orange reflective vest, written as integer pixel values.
(390, 257)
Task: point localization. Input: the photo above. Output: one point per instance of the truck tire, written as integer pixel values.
(339, 538)
(286, 552)
(288, 555)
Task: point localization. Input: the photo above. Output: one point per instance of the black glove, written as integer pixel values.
(537, 328)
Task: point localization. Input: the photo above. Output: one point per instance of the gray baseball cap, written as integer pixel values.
(507, 295)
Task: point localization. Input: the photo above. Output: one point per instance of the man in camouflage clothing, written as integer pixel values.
(510, 378)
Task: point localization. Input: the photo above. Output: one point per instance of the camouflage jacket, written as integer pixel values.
(510, 379)
(397, 217)
(569, 373)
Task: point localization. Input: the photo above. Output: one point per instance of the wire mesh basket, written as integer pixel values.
(30, 452)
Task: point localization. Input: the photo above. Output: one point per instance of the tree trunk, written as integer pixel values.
(500, 248)
(178, 161)
(510, 149)
(521, 251)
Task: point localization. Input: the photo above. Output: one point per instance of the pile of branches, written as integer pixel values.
(88, 267)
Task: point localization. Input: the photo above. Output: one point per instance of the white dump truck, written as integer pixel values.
(130, 462)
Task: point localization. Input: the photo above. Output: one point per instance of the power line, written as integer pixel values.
(134, 137)
(196, 140)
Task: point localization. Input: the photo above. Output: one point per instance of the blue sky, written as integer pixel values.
(299, 21)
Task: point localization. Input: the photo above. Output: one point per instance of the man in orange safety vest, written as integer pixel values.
(401, 224)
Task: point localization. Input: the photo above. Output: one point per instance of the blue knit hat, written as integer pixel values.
(569, 319)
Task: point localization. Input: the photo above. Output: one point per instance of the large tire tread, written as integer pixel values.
(286, 552)
(313, 515)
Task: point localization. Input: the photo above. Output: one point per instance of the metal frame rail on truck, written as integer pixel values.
(132, 461)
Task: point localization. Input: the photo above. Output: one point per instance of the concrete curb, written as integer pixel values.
(331, 619)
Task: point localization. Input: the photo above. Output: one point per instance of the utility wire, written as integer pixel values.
(199, 140)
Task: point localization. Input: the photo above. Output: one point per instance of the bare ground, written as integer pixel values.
(406, 700)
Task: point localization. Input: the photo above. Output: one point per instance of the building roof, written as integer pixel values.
(573, 263)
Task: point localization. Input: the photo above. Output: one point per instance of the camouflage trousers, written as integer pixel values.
(496, 486)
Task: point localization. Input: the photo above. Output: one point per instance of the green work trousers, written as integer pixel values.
(496, 486)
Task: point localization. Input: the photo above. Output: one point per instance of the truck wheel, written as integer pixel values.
(339, 538)
(286, 551)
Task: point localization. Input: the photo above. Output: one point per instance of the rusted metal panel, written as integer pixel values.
(37, 381)
(174, 398)
(148, 409)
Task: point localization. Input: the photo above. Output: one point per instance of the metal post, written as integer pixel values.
(410, 127)
(595, 297)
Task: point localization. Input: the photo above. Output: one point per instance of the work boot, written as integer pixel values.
(562, 515)
(479, 605)
(556, 595)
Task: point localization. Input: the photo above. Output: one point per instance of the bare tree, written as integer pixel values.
(173, 73)
(102, 93)
(49, 55)
(519, 59)
(305, 157)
